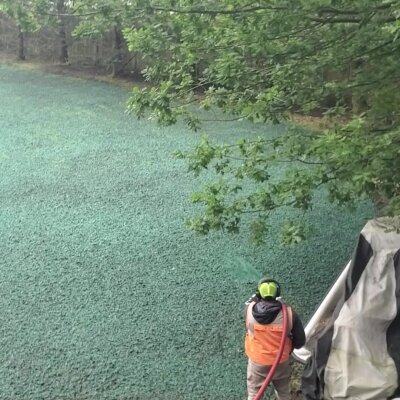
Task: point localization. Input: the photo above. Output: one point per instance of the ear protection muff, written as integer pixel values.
(267, 280)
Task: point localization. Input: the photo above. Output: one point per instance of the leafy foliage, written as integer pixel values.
(261, 61)
(97, 17)
(23, 12)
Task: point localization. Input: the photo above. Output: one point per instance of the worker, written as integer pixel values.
(264, 327)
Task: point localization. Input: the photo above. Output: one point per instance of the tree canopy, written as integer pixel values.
(262, 61)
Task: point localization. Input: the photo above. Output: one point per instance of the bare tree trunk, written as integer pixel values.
(135, 66)
(96, 54)
(61, 33)
(21, 44)
(117, 53)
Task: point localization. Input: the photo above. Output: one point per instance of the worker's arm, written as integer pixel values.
(298, 335)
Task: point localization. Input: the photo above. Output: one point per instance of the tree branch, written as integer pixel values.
(301, 161)
(216, 12)
(333, 10)
(349, 20)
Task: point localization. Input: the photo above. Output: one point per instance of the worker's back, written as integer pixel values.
(264, 330)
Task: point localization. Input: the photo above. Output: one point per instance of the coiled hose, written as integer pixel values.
(271, 372)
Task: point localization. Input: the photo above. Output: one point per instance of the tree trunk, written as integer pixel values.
(135, 66)
(117, 53)
(96, 54)
(61, 33)
(21, 44)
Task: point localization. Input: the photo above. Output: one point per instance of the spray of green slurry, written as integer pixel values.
(241, 270)
(104, 294)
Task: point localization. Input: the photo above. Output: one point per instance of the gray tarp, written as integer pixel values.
(356, 354)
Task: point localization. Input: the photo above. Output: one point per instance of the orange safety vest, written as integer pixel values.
(263, 340)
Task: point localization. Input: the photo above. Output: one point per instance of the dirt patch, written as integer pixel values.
(86, 72)
(92, 73)
(317, 123)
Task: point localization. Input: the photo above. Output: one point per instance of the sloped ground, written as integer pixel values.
(104, 294)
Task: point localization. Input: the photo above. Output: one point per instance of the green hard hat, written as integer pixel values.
(268, 289)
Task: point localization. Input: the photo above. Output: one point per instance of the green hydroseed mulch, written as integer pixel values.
(104, 294)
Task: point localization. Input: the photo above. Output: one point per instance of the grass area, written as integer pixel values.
(104, 294)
